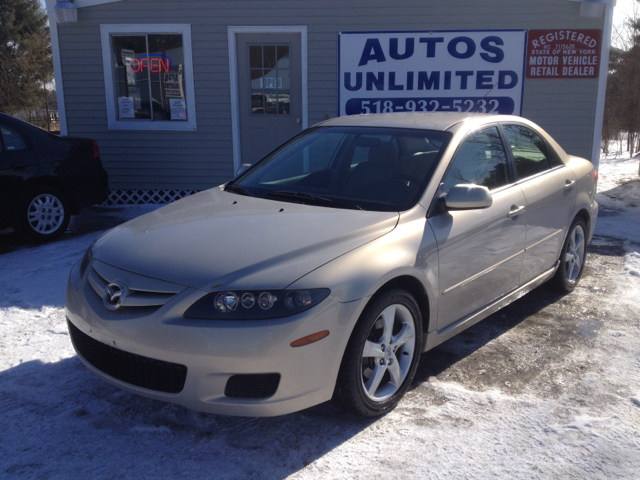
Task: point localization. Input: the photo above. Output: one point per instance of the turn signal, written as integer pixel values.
(314, 337)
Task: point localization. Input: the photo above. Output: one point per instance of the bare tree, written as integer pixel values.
(622, 105)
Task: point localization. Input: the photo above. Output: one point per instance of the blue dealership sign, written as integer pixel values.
(451, 71)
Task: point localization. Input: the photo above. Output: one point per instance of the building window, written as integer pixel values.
(270, 67)
(148, 77)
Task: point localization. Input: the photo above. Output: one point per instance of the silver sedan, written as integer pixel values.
(325, 270)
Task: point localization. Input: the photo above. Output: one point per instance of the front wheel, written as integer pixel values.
(572, 257)
(43, 213)
(382, 355)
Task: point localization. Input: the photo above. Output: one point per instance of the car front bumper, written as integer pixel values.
(214, 351)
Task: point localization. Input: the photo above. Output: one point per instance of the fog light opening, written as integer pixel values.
(314, 337)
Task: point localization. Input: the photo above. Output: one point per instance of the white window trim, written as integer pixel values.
(158, 125)
(233, 77)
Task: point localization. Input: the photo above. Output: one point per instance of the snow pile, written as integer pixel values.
(619, 199)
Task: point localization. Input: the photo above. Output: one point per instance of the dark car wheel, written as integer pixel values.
(43, 213)
(572, 257)
(382, 355)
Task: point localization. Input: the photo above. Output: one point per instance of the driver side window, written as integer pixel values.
(481, 161)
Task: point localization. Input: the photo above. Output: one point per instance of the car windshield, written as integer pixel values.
(380, 169)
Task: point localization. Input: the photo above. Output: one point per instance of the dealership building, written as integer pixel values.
(179, 94)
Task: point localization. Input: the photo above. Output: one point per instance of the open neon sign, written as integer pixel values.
(155, 62)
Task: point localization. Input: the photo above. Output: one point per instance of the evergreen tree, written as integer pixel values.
(26, 66)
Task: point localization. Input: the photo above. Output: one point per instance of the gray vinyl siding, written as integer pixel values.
(204, 158)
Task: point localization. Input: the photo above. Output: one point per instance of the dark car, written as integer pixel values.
(45, 178)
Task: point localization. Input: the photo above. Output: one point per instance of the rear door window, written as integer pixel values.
(529, 150)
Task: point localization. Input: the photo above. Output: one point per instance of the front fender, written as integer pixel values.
(409, 250)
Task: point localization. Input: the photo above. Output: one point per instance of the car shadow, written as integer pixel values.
(117, 433)
(441, 358)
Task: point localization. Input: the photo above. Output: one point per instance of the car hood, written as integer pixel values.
(217, 239)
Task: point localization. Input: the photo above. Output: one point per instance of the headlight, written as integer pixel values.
(86, 259)
(255, 304)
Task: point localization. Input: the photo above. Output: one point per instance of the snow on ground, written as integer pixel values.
(549, 387)
(619, 193)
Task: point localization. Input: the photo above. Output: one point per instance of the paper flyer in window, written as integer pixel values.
(126, 107)
(178, 108)
(173, 84)
(127, 57)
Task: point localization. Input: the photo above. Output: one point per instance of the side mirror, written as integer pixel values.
(468, 197)
(243, 168)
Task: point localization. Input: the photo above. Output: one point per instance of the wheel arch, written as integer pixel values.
(586, 216)
(55, 182)
(415, 288)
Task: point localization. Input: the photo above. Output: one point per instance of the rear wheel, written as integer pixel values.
(43, 213)
(382, 355)
(572, 257)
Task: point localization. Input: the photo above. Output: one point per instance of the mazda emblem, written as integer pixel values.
(114, 295)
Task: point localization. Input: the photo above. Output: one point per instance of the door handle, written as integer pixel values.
(569, 183)
(515, 211)
(298, 120)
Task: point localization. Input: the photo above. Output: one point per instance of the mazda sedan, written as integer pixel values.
(325, 269)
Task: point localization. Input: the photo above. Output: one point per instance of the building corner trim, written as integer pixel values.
(602, 84)
(57, 66)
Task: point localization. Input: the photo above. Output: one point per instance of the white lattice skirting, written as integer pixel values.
(137, 197)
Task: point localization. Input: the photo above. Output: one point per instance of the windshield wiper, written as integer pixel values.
(235, 188)
(314, 199)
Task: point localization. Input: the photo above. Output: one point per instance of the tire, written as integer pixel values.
(43, 214)
(375, 373)
(572, 258)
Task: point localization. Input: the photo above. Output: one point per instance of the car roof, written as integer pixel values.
(423, 120)
(16, 122)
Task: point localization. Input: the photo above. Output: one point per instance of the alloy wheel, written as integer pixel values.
(574, 258)
(388, 352)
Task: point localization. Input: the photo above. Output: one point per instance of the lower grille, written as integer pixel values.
(261, 385)
(128, 367)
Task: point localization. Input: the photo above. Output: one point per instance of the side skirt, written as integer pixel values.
(435, 338)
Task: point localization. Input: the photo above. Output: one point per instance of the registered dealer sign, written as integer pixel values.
(564, 53)
(426, 71)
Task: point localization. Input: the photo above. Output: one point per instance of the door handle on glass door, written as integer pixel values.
(516, 210)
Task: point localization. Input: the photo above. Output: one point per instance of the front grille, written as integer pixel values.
(261, 385)
(143, 292)
(128, 367)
